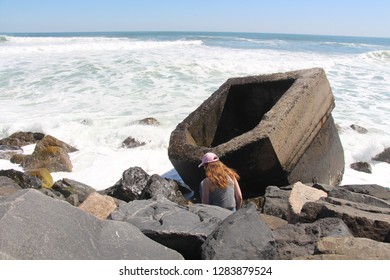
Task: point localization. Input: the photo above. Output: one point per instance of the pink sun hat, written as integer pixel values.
(207, 158)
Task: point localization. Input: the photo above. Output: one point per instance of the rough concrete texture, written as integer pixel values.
(273, 129)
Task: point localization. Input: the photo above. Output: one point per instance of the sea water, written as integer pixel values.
(88, 89)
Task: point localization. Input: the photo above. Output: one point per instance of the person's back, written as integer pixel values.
(224, 197)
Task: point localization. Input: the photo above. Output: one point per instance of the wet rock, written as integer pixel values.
(23, 180)
(384, 156)
(17, 158)
(53, 158)
(298, 240)
(21, 138)
(359, 129)
(130, 186)
(182, 228)
(50, 141)
(55, 230)
(148, 121)
(362, 167)
(241, 236)
(131, 142)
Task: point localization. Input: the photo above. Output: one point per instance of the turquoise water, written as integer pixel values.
(88, 88)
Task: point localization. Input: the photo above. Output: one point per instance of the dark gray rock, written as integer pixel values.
(346, 194)
(131, 142)
(297, 240)
(362, 167)
(182, 228)
(130, 186)
(359, 128)
(362, 220)
(276, 202)
(71, 188)
(34, 226)
(23, 180)
(384, 156)
(370, 189)
(159, 186)
(241, 236)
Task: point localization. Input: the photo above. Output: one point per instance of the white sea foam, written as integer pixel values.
(87, 91)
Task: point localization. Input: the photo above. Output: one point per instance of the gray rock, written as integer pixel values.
(8, 186)
(131, 142)
(70, 189)
(346, 194)
(276, 202)
(130, 186)
(372, 190)
(362, 167)
(182, 228)
(241, 236)
(34, 226)
(383, 156)
(300, 239)
(23, 180)
(159, 186)
(359, 128)
(363, 220)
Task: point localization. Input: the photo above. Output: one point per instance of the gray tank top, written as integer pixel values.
(224, 197)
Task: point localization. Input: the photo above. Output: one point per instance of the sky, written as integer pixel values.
(368, 18)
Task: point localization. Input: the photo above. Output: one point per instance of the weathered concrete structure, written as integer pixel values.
(273, 129)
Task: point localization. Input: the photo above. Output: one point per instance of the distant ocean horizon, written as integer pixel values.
(88, 88)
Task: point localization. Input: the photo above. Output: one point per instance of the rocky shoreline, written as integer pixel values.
(146, 216)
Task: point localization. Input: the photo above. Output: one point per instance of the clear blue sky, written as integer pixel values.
(322, 17)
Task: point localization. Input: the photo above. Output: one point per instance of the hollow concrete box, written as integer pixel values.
(272, 129)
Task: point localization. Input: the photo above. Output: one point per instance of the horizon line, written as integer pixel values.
(181, 31)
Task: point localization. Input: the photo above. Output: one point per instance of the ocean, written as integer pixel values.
(88, 89)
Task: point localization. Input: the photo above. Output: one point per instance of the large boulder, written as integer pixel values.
(273, 129)
(50, 153)
(241, 236)
(383, 156)
(182, 228)
(365, 215)
(296, 240)
(34, 226)
(8, 186)
(276, 202)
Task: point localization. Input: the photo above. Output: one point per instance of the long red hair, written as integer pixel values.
(218, 173)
